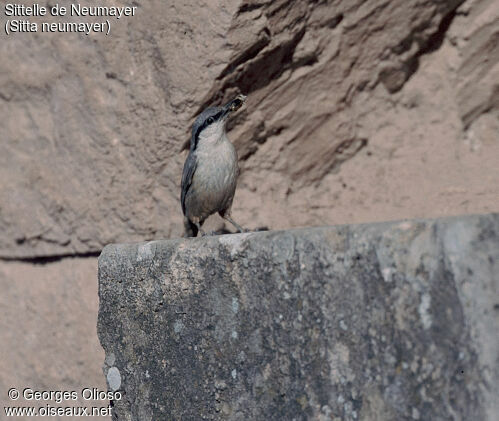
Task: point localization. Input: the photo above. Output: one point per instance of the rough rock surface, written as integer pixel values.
(391, 321)
(403, 95)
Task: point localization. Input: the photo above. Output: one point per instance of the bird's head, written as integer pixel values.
(209, 126)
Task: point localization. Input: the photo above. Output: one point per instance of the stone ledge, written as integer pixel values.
(387, 321)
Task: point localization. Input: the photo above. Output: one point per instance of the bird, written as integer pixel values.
(209, 177)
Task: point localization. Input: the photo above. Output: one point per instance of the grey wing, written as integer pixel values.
(187, 174)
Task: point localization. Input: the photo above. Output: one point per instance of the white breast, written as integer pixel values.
(216, 176)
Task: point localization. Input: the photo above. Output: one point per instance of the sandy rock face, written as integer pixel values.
(357, 111)
(48, 337)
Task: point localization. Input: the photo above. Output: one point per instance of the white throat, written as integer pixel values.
(213, 134)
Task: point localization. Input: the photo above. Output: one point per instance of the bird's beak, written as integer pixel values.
(235, 104)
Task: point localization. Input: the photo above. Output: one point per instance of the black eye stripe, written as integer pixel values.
(204, 125)
(215, 117)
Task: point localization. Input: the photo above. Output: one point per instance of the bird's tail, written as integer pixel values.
(190, 229)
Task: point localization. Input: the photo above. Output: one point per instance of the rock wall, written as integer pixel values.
(402, 95)
(48, 336)
(358, 111)
(385, 321)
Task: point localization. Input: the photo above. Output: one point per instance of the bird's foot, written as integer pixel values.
(236, 225)
(209, 233)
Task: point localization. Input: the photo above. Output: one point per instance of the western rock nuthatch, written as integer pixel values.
(210, 171)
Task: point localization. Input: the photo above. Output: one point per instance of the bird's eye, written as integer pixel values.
(210, 120)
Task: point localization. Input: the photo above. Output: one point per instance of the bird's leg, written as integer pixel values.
(227, 217)
(201, 231)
